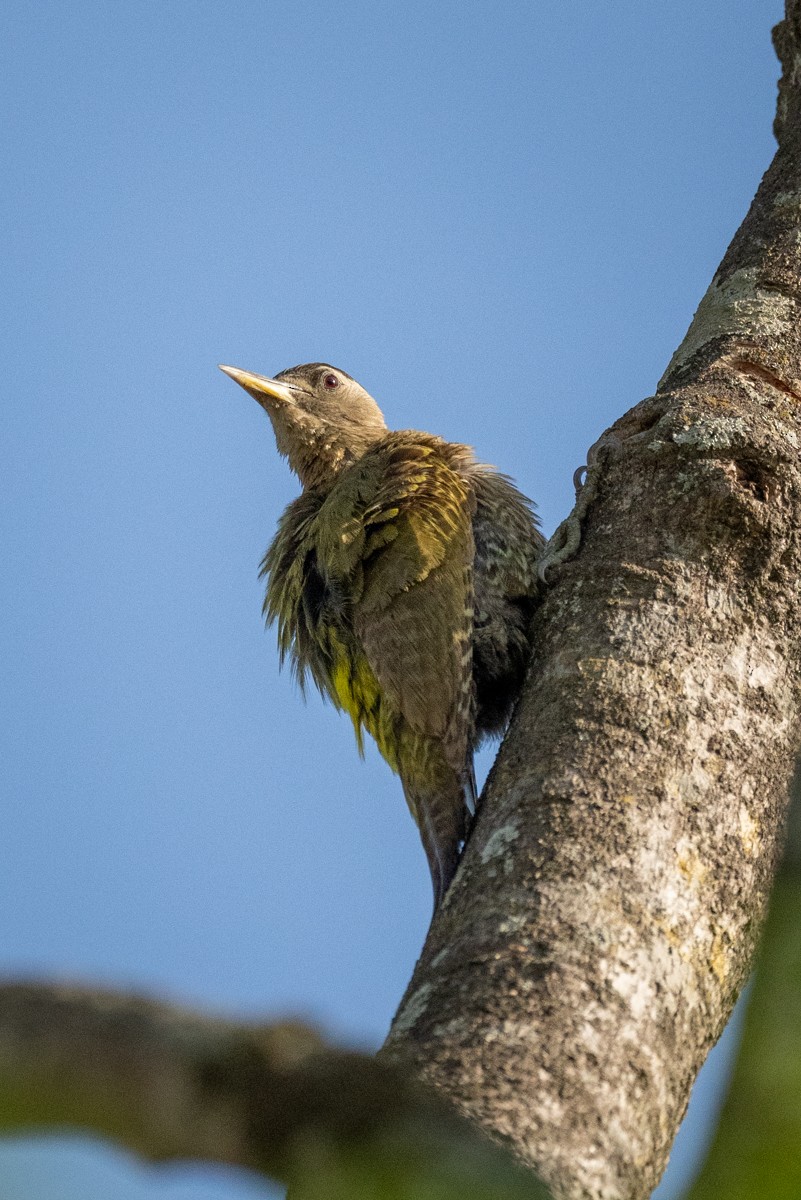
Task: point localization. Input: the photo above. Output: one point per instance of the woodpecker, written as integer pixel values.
(402, 581)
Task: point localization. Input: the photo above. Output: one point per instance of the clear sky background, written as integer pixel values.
(500, 219)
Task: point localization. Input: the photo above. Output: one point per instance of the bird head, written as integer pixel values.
(322, 418)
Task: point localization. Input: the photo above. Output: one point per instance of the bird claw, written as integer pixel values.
(566, 538)
(580, 478)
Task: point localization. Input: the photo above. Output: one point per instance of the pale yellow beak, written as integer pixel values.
(261, 387)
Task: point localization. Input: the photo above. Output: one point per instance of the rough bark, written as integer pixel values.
(605, 916)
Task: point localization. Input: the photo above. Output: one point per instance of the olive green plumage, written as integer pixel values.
(401, 581)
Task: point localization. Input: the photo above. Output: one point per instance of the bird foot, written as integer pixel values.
(566, 539)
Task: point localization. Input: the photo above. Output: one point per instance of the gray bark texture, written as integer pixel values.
(606, 912)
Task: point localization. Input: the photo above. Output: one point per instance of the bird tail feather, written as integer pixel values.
(442, 814)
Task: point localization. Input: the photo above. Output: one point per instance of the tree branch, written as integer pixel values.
(605, 916)
(171, 1084)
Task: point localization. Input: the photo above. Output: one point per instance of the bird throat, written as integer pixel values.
(317, 455)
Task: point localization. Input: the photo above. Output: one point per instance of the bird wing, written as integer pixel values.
(508, 545)
(507, 537)
(413, 616)
(406, 542)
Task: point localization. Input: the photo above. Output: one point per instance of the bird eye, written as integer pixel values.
(330, 381)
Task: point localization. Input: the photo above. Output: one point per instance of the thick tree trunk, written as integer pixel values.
(604, 919)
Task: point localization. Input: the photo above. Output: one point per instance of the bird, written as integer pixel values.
(402, 581)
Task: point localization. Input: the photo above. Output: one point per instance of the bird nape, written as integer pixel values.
(402, 581)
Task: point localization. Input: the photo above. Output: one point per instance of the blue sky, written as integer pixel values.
(500, 219)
